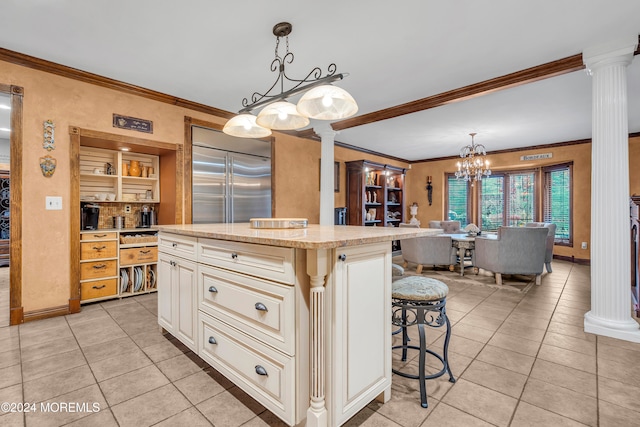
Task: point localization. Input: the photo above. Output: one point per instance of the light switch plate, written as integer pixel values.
(53, 203)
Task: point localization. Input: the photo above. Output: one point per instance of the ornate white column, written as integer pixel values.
(317, 269)
(610, 313)
(327, 135)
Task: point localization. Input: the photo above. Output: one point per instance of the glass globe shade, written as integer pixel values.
(245, 126)
(327, 102)
(281, 115)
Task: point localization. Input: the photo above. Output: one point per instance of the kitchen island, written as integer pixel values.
(297, 318)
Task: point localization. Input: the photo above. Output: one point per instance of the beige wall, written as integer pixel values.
(45, 275)
(580, 154)
(296, 175)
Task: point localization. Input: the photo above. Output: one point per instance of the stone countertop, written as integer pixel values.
(313, 237)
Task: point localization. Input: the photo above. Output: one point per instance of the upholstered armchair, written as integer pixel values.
(428, 250)
(551, 238)
(517, 250)
(449, 227)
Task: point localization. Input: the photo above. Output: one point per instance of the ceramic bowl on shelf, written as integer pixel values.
(111, 197)
(101, 196)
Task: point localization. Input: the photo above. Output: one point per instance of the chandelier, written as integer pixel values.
(321, 100)
(474, 165)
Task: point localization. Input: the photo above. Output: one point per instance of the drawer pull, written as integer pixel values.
(260, 306)
(98, 287)
(99, 236)
(234, 255)
(212, 289)
(173, 263)
(100, 266)
(145, 252)
(99, 248)
(261, 371)
(174, 244)
(342, 257)
(212, 340)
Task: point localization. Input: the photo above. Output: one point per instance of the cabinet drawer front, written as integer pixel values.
(98, 289)
(241, 358)
(174, 244)
(97, 269)
(142, 255)
(97, 250)
(98, 235)
(269, 262)
(266, 309)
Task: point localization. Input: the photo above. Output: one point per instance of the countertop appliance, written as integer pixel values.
(89, 214)
(147, 217)
(231, 177)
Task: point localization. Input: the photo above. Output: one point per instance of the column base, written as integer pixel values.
(628, 330)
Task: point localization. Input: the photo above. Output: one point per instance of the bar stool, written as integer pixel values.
(418, 300)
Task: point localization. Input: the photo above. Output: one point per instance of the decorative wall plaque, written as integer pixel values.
(132, 123)
(48, 165)
(49, 142)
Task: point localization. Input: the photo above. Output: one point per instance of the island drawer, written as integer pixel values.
(262, 309)
(97, 250)
(98, 289)
(97, 269)
(268, 262)
(177, 245)
(262, 372)
(98, 235)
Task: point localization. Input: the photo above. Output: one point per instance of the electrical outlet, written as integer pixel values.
(53, 203)
(127, 208)
(584, 245)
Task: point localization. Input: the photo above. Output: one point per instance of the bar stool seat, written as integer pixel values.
(421, 301)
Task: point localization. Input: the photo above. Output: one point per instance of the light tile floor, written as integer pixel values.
(519, 359)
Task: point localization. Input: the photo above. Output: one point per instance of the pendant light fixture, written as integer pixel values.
(320, 100)
(474, 164)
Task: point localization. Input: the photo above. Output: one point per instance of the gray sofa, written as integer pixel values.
(517, 250)
(551, 238)
(429, 250)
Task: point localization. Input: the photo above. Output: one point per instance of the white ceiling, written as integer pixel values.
(217, 53)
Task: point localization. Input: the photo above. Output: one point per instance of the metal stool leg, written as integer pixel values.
(445, 349)
(421, 367)
(405, 335)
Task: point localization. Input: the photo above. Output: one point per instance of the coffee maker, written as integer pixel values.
(89, 216)
(147, 217)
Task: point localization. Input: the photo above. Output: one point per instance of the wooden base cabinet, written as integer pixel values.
(111, 269)
(286, 325)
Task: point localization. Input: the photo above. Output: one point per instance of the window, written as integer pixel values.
(507, 199)
(457, 200)
(514, 198)
(557, 201)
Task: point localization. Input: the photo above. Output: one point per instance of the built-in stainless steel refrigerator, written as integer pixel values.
(231, 177)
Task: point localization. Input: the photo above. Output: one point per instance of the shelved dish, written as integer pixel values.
(152, 278)
(124, 280)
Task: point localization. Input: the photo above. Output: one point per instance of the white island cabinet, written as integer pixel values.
(299, 319)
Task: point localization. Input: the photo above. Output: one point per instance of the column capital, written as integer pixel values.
(618, 51)
(324, 130)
